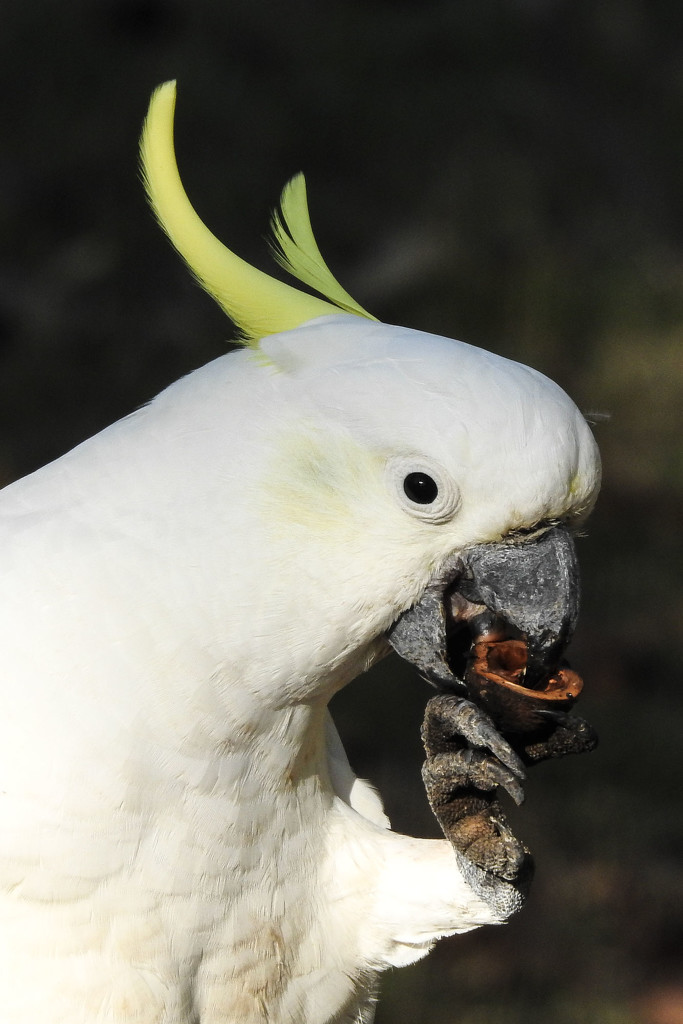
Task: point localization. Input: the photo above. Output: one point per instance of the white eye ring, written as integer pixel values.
(423, 488)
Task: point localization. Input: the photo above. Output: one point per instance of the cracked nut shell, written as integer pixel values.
(493, 679)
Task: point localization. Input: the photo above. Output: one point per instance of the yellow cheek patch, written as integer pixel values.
(576, 485)
(323, 481)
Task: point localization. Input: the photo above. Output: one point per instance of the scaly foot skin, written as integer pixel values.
(564, 734)
(467, 760)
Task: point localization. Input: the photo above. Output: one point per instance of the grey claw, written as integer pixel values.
(484, 734)
(451, 716)
(514, 789)
(459, 770)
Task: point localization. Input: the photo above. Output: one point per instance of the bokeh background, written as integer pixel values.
(508, 173)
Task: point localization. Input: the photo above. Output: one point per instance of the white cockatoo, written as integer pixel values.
(182, 840)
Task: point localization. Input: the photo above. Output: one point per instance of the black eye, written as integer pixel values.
(420, 488)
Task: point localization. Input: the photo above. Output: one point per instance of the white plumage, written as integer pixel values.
(182, 840)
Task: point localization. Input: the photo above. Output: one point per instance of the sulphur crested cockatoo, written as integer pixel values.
(182, 840)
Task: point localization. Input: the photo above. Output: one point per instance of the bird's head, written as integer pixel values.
(416, 489)
(422, 468)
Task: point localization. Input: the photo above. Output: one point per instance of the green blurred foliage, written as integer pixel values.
(504, 172)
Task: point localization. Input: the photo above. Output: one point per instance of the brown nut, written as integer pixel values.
(494, 680)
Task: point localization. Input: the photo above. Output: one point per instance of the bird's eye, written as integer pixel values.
(421, 488)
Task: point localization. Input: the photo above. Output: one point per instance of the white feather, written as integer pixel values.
(181, 597)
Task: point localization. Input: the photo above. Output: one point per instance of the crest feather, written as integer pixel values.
(256, 302)
(295, 248)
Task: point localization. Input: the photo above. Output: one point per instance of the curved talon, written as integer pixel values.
(514, 790)
(448, 718)
(469, 770)
(478, 728)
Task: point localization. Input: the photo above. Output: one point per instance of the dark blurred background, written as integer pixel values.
(508, 173)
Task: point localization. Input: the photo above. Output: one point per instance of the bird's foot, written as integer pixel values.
(467, 761)
(562, 734)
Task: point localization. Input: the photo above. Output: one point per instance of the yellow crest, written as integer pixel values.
(257, 303)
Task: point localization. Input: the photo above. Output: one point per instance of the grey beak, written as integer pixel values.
(531, 588)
